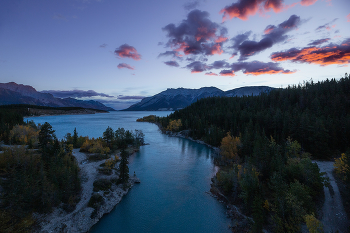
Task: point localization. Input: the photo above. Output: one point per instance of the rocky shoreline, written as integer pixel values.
(84, 217)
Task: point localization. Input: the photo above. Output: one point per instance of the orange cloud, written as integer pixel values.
(244, 8)
(348, 18)
(307, 2)
(216, 49)
(221, 39)
(327, 55)
(227, 73)
(269, 29)
(266, 71)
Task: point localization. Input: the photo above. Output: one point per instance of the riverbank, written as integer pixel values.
(239, 221)
(84, 217)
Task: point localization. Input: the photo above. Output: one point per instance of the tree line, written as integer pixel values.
(266, 145)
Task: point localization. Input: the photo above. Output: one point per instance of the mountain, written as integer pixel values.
(13, 93)
(173, 99)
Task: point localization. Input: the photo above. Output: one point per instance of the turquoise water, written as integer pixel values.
(175, 175)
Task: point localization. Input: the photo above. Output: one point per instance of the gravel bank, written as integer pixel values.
(79, 220)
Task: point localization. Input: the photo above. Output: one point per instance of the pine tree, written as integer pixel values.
(75, 138)
(123, 167)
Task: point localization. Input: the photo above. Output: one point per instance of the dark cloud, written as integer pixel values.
(196, 35)
(292, 22)
(249, 48)
(173, 54)
(259, 68)
(103, 45)
(273, 34)
(197, 67)
(327, 26)
(227, 73)
(318, 42)
(219, 65)
(172, 63)
(191, 5)
(211, 74)
(126, 97)
(127, 66)
(128, 51)
(75, 93)
(326, 55)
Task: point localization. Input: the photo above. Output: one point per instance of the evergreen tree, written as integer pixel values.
(46, 140)
(75, 138)
(123, 167)
(108, 136)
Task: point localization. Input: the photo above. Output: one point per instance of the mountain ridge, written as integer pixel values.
(178, 98)
(13, 93)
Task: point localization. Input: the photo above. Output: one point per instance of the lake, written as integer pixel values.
(175, 177)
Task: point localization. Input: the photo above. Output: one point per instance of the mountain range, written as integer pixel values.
(174, 99)
(13, 93)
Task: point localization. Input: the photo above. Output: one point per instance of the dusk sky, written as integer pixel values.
(118, 52)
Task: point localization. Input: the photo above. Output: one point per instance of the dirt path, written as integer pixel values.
(334, 216)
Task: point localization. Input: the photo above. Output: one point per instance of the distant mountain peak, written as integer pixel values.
(177, 98)
(13, 93)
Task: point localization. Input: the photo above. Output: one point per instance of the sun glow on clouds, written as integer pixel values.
(242, 9)
(348, 18)
(326, 55)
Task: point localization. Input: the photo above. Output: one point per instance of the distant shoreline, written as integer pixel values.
(57, 112)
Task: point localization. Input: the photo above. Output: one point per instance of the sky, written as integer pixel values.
(118, 52)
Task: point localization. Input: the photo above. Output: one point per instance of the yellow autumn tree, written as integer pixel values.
(229, 147)
(313, 224)
(341, 166)
(174, 125)
(24, 135)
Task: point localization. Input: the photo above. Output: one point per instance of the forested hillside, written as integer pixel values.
(317, 115)
(266, 145)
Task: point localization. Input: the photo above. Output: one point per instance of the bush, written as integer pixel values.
(102, 184)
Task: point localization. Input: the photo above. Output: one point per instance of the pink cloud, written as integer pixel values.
(128, 51)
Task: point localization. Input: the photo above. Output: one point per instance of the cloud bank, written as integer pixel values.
(75, 93)
(273, 34)
(326, 55)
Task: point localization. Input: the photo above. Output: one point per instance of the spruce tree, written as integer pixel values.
(123, 167)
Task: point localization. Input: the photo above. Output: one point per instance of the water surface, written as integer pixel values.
(175, 175)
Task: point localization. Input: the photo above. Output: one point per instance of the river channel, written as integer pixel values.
(175, 178)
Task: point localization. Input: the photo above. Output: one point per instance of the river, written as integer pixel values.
(175, 177)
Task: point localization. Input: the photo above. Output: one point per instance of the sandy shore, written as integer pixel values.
(80, 219)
